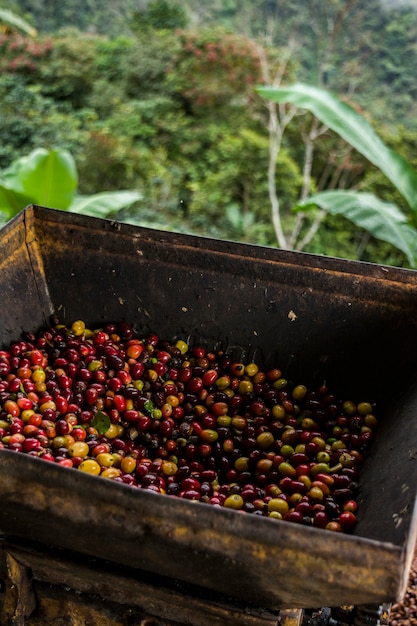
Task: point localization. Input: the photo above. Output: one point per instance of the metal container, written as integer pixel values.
(351, 324)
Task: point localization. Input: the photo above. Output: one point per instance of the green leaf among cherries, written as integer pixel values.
(101, 422)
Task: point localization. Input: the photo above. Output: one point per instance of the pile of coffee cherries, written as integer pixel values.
(184, 421)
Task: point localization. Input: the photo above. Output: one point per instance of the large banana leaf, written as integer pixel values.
(383, 220)
(48, 177)
(105, 203)
(354, 129)
(15, 22)
(12, 202)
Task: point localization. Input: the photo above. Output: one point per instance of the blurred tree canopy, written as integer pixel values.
(159, 96)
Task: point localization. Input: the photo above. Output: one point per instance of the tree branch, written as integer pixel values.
(279, 116)
(309, 141)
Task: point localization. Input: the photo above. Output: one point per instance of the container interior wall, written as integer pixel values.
(349, 324)
(24, 303)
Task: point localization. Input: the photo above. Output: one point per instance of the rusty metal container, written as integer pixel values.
(351, 324)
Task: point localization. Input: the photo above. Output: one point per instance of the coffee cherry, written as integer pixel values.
(278, 504)
(90, 466)
(79, 448)
(105, 459)
(347, 520)
(299, 392)
(234, 501)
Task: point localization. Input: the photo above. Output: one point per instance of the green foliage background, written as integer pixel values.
(160, 97)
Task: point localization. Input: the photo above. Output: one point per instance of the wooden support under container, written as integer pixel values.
(42, 587)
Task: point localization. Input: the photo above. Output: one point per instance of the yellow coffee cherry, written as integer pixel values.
(169, 468)
(78, 328)
(110, 472)
(182, 346)
(78, 448)
(251, 369)
(112, 432)
(234, 501)
(278, 504)
(90, 466)
(105, 459)
(128, 465)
